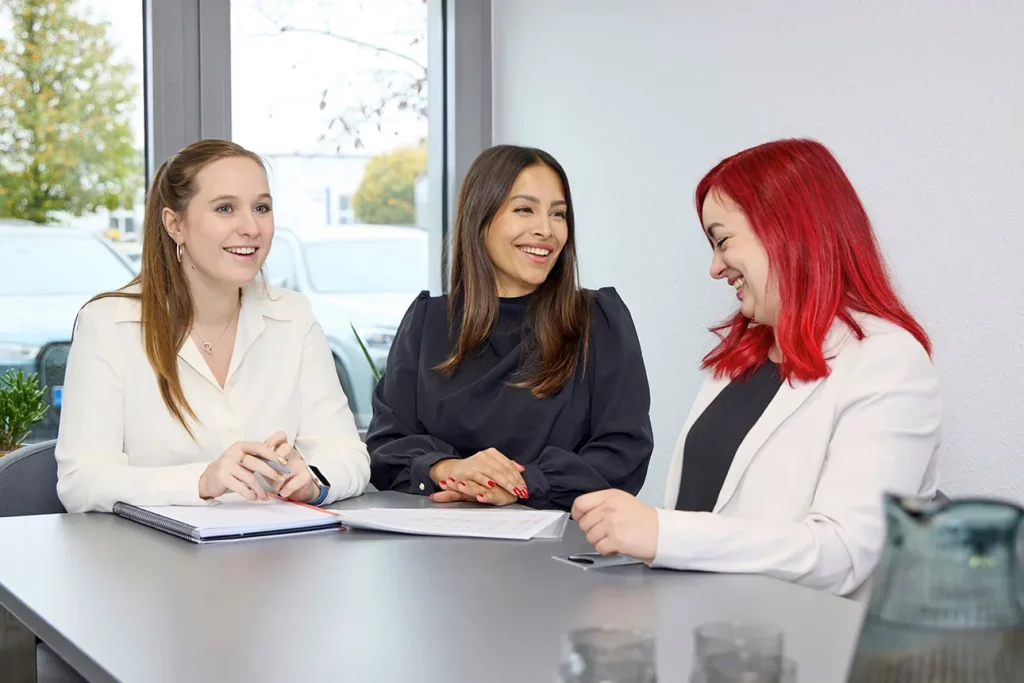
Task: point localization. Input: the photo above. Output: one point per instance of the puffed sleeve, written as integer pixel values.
(621, 441)
(401, 453)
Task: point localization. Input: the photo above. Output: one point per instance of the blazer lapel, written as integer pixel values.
(785, 403)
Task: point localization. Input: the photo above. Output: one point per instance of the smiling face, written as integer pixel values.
(227, 227)
(526, 236)
(739, 258)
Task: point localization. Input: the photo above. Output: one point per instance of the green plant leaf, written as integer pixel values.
(387, 192)
(22, 405)
(373, 366)
(65, 114)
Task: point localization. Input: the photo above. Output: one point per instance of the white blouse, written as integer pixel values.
(118, 442)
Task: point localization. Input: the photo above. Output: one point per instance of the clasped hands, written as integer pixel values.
(235, 471)
(486, 477)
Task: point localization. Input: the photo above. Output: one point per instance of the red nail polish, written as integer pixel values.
(480, 496)
(491, 483)
(462, 483)
(451, 479)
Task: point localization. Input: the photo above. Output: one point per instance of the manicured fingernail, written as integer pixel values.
(480, 496)
(451, 480)
(491, 483)
(462, 483)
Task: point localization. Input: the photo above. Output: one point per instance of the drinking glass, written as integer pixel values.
(739, 638)
(732, 668)
(734, 652)
(607, 655)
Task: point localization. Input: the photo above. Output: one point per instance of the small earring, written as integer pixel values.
(178, 249)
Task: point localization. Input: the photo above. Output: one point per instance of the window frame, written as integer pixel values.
(187, 83)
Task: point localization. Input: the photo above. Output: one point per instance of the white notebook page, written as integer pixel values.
(506, 524)
(245, 517)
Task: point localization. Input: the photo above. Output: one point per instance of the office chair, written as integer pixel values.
(28, 481)
(51, 364)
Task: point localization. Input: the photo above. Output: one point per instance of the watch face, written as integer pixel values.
(319, 475)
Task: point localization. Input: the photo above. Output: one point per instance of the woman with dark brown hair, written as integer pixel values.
(518, 385)
(187, 383)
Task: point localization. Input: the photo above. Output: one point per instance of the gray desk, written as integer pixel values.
(122, 602)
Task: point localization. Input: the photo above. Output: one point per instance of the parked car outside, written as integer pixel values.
(364, 276)
(48, 273)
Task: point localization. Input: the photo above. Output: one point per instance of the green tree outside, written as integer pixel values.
(66, 144)
(386, 194)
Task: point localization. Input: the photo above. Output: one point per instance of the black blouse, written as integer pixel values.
(593, 434)
(717, 433)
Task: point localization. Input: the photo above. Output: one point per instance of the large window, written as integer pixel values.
(71, 167)
(333, 94)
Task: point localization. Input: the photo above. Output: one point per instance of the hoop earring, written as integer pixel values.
(178, 249)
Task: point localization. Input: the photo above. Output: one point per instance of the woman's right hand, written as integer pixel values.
(233, 471)
(480, 474)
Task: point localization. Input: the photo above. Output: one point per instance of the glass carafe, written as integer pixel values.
(946, 604)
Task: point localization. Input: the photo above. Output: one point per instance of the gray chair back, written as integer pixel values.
(28, 481)
(51, 364)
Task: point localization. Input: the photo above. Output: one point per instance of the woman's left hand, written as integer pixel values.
(298, 485)
(616, 523)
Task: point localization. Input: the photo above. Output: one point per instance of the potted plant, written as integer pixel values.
(21, 406)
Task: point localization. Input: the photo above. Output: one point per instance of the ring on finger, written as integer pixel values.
(241, 458)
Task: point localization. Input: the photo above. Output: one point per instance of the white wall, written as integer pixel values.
(921, 101)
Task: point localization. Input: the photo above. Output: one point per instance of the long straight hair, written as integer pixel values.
(166, 300)
(558, 319)
(822, 256)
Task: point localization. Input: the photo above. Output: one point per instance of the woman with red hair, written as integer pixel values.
(819, 397)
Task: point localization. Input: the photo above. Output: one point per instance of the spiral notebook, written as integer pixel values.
(230, 520)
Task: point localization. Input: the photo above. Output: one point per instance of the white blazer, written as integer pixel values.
(118, 442)
(802, 500)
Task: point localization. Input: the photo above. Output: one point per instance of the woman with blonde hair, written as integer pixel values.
(197, 376)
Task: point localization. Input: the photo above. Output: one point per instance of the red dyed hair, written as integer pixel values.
(822, 256)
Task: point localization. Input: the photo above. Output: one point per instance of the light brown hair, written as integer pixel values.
(165, 297)
(558, 321)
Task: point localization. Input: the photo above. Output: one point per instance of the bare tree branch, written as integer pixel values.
(356, 42)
